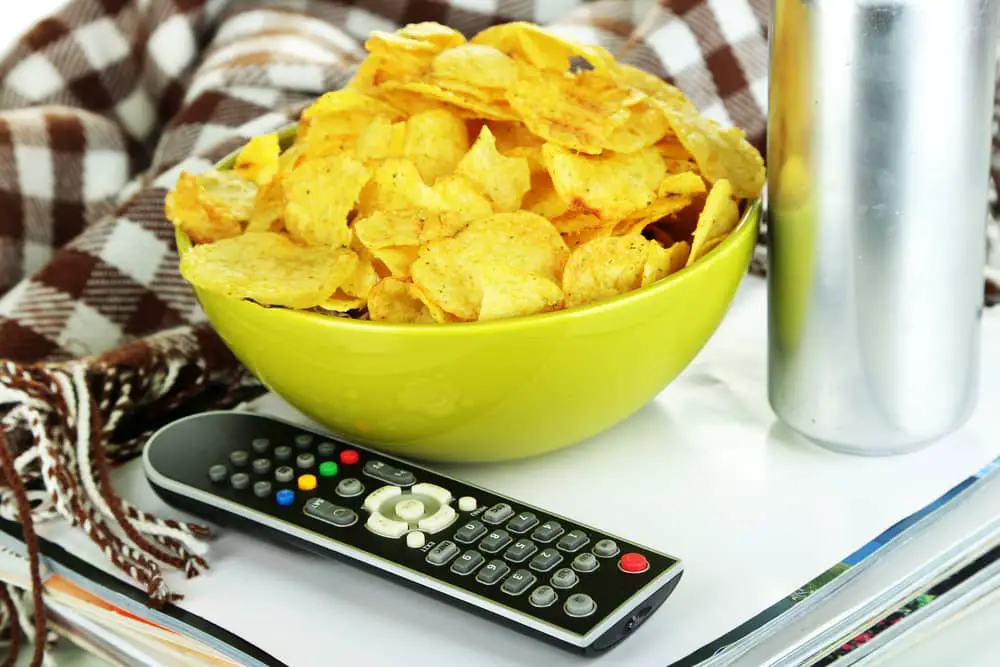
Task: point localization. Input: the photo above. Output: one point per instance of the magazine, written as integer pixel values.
(905, 600)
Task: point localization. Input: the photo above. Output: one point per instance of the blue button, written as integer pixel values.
(285, 497)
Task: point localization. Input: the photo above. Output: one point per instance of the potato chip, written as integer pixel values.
(320, 194)
(576, 111)
(609, 186)
(578, 238)
(382, 138)
(675, 194)
(531, 44)
(341, 302)
(683, 183)
(268, 213)
(435, 142)
(406, 227)
(396, 260)
(258, 160)
(664, 261)
(478, 65)
(400, 301)
(364, 277)
(645, 126)
(396, 185)
(459, 196)
(721, 153)
(268, 268)
(430, 32)
(661, 207)
(450, 270)
(574, 223)
(543, 199)
(508, 292)
(416, 96)
(211, 206)
(504, 180)
(394, 300)
(338, 117)
(719, 217)
(603, 268)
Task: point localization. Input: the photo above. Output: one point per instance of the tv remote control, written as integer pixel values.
(549, 576)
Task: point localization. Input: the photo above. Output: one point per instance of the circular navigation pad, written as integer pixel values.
(395, 512)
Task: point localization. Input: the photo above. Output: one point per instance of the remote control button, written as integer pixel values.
(492, 572)
(495, 541)
(498, 513)
(442, 553)
(260, 445)
(416, 540)
(285, 497)
(545, 560)
(327, 469)
(579, 605)
(470, 532)
(386, 473)
(379, 496)
(324, 510)
(633, 563)
(564, 578)
(284, 474)
(326, 450)
(467, 562)
(307, 482)
(573, 540)
(240, 481)
(283, 453)
(261, 466)
(218, 473)
(349, 487)
(606, 549)
(239, 458)
(543, 596)
(444, 517)
(518, 582)
(522, 523)
(262, 489)
(305, 461)
(438, 493)
(467, 503)
(585, 562)
(547, 532)
(304, 440)
(349, 457)
(386, 527)
(409, 509)
(520, 551)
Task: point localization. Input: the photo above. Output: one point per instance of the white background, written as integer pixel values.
(973, 644)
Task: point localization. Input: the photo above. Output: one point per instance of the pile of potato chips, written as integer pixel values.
(458, 180)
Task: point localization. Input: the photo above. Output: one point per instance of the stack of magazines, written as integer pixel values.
(927, 568)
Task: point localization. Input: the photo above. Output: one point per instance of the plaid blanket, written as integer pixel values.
(102, 106)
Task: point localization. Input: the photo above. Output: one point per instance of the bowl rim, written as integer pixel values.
(748, 224)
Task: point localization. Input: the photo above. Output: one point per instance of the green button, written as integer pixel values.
(327, 469)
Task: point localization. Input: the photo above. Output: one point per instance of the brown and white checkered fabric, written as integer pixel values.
(103, 104)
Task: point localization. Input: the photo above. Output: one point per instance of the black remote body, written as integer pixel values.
(573, 585)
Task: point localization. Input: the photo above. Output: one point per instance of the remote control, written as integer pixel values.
(573, 585)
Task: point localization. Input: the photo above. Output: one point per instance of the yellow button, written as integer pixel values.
(307, 482)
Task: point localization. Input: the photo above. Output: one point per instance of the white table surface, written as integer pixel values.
(970, 645)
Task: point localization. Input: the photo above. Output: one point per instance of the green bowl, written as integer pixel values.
(487, 391)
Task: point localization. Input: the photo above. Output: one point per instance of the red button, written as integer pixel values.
(348, 457)
(633, 563)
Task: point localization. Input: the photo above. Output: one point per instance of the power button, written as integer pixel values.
(633, 563)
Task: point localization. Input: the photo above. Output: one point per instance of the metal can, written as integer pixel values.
(879, 139)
